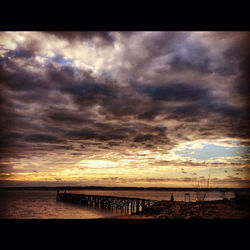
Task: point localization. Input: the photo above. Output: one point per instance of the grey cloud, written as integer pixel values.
(20, 80)
(87, 92)
(178, 51)
(69, 117)
(105, 36)
(42, 138)
(201, 61)
(86, 134)
(142, 138)
(175, 91)
(18, 53)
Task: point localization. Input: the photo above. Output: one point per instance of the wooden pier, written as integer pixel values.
(127, 204)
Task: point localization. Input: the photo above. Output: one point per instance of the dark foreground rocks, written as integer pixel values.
(223, 209)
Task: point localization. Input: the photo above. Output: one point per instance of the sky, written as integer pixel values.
(139, 109)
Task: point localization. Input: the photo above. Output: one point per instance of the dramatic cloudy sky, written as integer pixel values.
(124, 108)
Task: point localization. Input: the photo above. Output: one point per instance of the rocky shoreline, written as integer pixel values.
(222, 209)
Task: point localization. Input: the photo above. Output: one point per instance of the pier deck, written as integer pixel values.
(127, 204)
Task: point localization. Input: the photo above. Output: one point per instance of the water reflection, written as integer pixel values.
(16, 204)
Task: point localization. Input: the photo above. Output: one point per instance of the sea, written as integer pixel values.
(42, 204)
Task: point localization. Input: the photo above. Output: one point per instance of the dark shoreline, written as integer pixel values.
(125, 188)
(220, 209)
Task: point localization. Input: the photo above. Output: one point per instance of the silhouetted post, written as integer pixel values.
(172, 197)
(143, 205)
(187, 195)
(137, 206)
(236, 195)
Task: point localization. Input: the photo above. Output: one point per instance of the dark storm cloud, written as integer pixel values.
(179, 52)
(242, 88)
(175, 92)
(18, 53)
(42, 138)
(61, 147)
(5, 168)
(160, 129)
(84, 134)
(199, 59)
(61, 75)
(113, 144)
(146, 137)
(149, 113)
(61, 115)
(105, 37)
(60, 104)
(198, 103)
(178, 63)
(89, 93)
(163, 43)
(20, 80)
(152, 138)
(87, 134)
(206, 108)
(10, 136)
(112, 100)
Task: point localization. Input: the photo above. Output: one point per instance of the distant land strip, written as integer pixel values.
(124, 188)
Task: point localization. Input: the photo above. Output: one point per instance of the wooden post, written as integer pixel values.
(143, 205)
(172, 197)
(131, 206)
(137, 206)
(127, 207)
(187, 195)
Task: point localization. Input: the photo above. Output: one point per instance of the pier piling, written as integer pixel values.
(127, 204)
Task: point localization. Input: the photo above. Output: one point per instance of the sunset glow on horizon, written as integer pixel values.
(132, 109)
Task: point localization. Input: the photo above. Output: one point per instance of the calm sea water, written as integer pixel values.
(29, 204)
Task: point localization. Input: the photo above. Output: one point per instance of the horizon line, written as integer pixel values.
(119, 187)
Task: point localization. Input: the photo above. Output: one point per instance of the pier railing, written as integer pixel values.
(127, 204)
